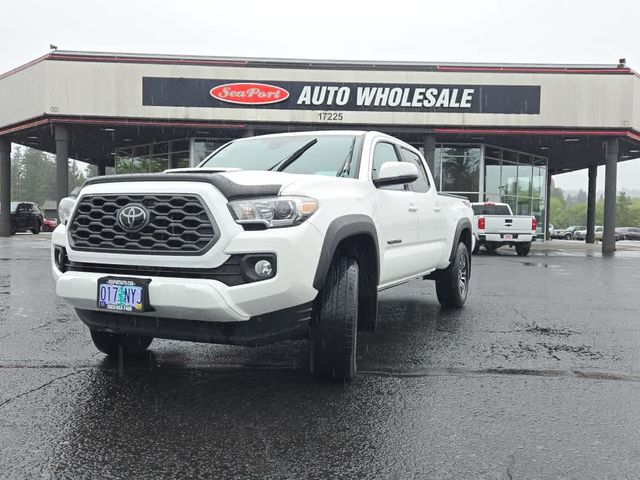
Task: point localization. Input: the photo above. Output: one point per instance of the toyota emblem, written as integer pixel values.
(133, 217)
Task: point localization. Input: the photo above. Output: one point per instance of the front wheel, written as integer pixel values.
(35, 230)
(567, 236)
(522, 249)
(452, 284)
(111, 343)
(332, 347)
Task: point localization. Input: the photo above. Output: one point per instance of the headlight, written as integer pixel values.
(65, 207)
(274, 211)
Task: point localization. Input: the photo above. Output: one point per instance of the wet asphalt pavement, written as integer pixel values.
(538, 377)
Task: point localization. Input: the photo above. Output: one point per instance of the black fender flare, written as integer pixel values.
(463, 223)
(340, 229)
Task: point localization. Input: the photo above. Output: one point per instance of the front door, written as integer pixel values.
(398, 222)
(432, 222)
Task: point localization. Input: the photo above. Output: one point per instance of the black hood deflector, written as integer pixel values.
(228, 188)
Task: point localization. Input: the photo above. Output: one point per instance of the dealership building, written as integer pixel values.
(489, 132)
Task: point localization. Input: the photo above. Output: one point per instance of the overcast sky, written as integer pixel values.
(544, 31)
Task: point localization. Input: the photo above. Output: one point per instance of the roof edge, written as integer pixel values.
(122, 57)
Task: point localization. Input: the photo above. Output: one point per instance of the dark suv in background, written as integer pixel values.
(25, 216)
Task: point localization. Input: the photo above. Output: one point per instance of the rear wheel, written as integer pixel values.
(333, 332)
(111, 343)
(522, 249)
(567, 236)
(35, 230)
(452, 284)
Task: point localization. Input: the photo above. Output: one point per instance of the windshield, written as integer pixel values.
(330, 155)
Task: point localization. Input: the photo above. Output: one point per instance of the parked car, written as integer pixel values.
(628, 233)
(569, 232)
(582, 234)
(270, 238)
(49, 224)
(495, 225)
(620, 234)
(25, 216)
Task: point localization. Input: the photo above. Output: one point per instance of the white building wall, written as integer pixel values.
(115, 90)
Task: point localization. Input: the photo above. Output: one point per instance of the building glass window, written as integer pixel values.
(524, 180)
(460, 169)
(140, 159)
(516, 178)
(437, 168)
(158, 163)
(203, 147)
(123, 160)
(509, 178)
(492, 185)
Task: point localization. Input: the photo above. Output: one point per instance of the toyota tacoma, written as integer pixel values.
(274, 237)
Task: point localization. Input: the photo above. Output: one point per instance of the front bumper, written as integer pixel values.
(288, 324)
(208, 300)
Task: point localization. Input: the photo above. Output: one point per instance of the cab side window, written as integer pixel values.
(421, 185)
(385, 152)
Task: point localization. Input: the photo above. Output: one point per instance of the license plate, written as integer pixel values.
(507, 236)
(123, 294)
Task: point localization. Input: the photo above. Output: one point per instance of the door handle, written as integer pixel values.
(412, 207)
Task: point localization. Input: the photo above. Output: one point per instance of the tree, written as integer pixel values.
(33, 175)
(77, 176)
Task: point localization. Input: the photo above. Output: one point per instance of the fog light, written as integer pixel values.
(263, 268)
(60, 258)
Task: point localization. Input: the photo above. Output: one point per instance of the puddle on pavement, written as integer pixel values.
(539, 265)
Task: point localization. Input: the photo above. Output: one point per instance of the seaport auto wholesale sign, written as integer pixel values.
(198, 92)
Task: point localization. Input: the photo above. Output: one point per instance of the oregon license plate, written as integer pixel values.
(508, 236)
(123, 294)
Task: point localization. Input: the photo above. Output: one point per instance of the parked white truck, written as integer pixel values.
(495, 225)
(272, 237)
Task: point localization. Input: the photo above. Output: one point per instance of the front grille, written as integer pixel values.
(178, 225)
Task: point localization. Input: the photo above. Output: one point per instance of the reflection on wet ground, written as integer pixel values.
(538, 377)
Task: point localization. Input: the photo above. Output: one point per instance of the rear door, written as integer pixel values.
(397, 220)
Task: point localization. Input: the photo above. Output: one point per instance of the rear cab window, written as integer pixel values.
(489, 209)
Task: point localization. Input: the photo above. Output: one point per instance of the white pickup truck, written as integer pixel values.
(495, 225)
(273, 237)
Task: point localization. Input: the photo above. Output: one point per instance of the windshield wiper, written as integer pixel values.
(280, 165)
(345, 168)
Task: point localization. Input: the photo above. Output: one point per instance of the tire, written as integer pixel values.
(452, 284)
(567, 236)
(35, 230)
(110, 343)
(522, 249)
(332, 346)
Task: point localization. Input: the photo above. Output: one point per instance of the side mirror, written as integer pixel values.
(396, 173)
